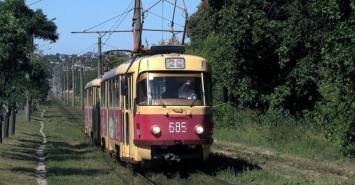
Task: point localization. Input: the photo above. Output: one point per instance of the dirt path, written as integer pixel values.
(41, 167)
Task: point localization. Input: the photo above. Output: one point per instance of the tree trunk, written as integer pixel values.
(28, 109)
(6, 126)
(12, 120)
(0, 131)
(1, 120)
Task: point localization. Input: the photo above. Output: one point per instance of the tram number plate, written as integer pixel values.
(175, 63)
(177, 127)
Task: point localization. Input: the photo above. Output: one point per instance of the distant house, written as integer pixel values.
(90, 55)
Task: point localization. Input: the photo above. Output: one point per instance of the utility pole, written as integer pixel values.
(73, 82)
(59, 81)
(63, 81)
(81, 85)
(99, 59)
(138, 26)
(67, 89)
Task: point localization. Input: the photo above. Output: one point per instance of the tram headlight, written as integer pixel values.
(156, 130)
(199, 129)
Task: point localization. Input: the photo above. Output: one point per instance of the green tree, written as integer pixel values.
(198, 26)
(284, 57)
(19, 25)
(40, 73)
(337, 73)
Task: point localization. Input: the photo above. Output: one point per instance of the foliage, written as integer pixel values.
(39, 75)
(19, 25)
(198, 27)
(113, 60)
(291, 58)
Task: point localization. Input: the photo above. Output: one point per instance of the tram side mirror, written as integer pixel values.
(123, 87)
(225, 94)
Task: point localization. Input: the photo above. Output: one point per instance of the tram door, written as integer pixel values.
(96, 116)
(127, 90)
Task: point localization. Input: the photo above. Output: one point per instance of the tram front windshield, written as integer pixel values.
(160, 89)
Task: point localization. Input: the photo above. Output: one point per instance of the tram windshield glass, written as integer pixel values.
(164, 89)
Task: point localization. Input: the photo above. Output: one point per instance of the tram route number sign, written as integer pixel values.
(177, 127)
(175, 63)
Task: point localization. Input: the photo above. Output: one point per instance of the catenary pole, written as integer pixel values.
(81, 85)
(63, 81)
(99, 62)
(73, 82)
(67, 89)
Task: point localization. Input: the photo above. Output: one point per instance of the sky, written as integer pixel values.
(105, 15)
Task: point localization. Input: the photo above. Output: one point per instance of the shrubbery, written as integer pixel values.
(288, 60)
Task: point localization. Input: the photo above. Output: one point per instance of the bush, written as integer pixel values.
(229, 117)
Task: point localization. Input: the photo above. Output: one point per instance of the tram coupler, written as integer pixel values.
(172, 157)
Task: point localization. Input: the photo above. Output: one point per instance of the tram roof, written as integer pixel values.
(158, 53)
(93, 83)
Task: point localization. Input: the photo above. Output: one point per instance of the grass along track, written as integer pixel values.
(280, 168)
(79, 157)
(239, 163)
(72, 158)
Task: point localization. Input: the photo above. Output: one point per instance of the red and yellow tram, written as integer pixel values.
(156, 106)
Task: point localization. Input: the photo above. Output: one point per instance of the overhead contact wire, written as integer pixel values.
(87, 48)
(128, 10)
(104, 22)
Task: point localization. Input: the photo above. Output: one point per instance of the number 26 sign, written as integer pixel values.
(175, 63)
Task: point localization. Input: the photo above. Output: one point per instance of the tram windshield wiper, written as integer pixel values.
(192, 104)
(158, 100)
(203, 95)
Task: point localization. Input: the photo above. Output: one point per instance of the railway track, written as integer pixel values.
(73, 117)
(146, 179)
(77, 120)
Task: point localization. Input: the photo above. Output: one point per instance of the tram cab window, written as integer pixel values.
(159, 89)
(142, 92)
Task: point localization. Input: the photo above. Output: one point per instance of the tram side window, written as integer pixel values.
(110, 92)
(103, 94)
(89, 97)
(130, 90)
(97, 98)
(86, 100)
(115, 92)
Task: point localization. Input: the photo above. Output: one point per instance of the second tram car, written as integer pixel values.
(92, 107)
(154, 107)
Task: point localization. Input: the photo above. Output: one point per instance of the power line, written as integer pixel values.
(34, 2)
(107, 20)
(110, 46)
(101, 31)
(87, 48)
(121, 20)
(98, 32)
